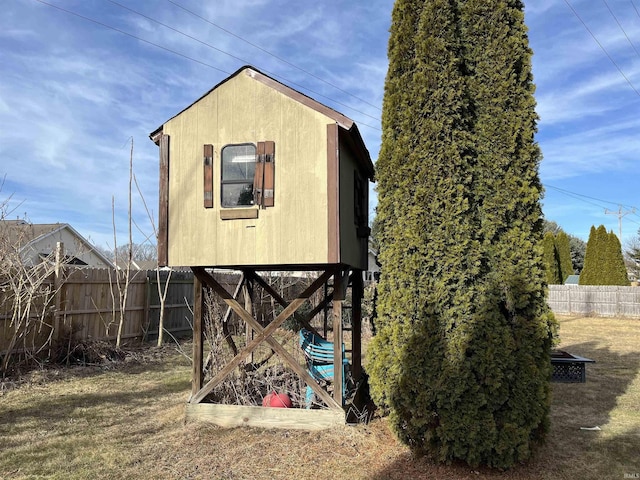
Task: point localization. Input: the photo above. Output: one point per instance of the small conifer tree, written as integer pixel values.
(563, 251)
(589, 274)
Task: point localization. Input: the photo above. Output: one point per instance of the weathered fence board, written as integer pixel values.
(87, 307)
(605, 301)
(178, 303)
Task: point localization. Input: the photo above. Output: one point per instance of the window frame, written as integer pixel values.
(247, 181)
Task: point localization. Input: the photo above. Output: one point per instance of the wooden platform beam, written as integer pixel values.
(230, 416)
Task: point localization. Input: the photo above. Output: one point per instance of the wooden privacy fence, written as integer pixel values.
(85, 305)
(605, 301)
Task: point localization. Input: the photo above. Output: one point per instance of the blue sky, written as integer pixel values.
(74, 92)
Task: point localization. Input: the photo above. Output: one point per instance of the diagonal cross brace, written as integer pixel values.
(276, 296)
(263, 334)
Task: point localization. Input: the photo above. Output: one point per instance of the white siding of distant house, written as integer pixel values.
(74, 246)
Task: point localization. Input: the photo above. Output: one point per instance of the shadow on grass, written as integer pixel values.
(569, 451)
(607, 401)
(64, 411)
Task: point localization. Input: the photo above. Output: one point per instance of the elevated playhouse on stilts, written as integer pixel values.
(257, 178)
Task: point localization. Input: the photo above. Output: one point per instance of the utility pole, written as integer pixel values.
(620, 214)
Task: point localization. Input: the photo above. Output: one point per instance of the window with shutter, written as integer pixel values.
(264, 179)
(238, 175)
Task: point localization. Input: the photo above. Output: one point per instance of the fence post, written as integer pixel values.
(147, 304)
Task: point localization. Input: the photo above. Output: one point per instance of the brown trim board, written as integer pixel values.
(163, 209)
(333, 194)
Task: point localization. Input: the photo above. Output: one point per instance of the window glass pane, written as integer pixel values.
(237, 194)
(238, 162)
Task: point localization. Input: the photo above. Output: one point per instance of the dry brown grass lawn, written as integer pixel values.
(128, 422)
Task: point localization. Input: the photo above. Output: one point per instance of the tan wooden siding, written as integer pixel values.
(294, 231)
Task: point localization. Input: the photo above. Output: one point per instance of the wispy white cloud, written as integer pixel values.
(540, 7)
(73, 92)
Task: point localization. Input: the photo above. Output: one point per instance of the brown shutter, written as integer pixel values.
(269, 174)
(163, 211)
(258, 178)
(208, 176)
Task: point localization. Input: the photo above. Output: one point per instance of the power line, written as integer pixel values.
(187, 57)
(243, 61)
(602, 47)
(568, 194)
(621, 28)
(272, 54)
(133, 36)
(562, 190)
(581, 197)
(620, 214)
(635, 8)
(176, 30)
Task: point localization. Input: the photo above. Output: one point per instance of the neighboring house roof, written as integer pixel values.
(21, 233)
(138, 264)
(26, 236)
(348, 129)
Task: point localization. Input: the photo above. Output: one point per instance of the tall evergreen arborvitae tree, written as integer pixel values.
(603, 260)
(550, 259)
(616, 269)
(461, 359)
(563, 249)
(425, 234)
(577, 246)
(595, 257)
(589, 273)
(512, 361)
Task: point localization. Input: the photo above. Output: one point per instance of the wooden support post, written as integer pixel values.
(325, 324)
(338, 369)
(197, 378)
(357, 292)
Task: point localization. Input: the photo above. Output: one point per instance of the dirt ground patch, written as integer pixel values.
(127, 421)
